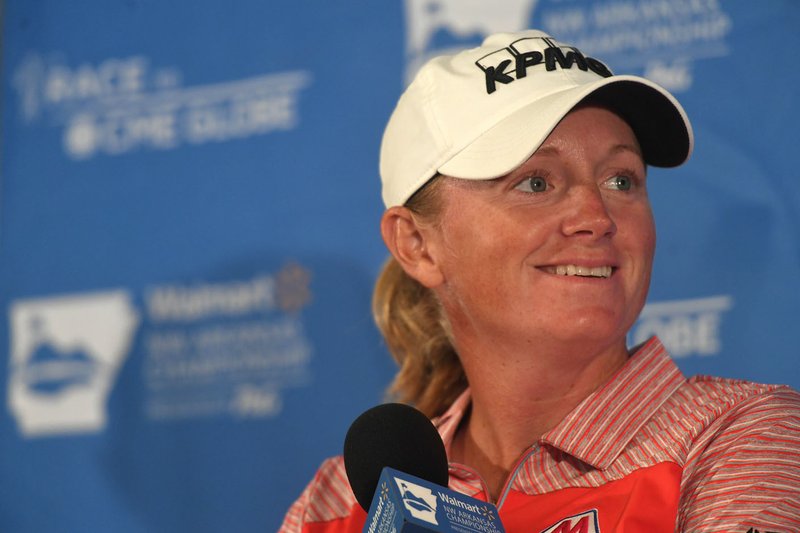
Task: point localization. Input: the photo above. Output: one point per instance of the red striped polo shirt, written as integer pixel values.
(649, 451)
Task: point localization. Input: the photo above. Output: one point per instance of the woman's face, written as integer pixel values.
(560, 249)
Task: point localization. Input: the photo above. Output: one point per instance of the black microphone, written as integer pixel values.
(397, 467)
(394, 435)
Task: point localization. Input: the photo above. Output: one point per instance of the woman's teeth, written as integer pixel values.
(575, 270)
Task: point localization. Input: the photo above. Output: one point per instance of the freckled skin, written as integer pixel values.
(496, 235)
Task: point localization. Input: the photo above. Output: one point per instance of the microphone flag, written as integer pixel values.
(407, 504)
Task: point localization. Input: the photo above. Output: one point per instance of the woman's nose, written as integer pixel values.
(587, 213)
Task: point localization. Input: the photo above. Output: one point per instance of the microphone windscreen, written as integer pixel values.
(394, 435)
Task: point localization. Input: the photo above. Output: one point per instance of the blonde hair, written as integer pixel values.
(409, 316)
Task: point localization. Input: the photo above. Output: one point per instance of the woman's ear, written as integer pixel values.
(409, 241)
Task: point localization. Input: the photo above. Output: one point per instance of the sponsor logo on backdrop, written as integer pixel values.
(661, 39)
(686, 327)
(582, 523)
(435, 27)
(66, 352)
(227, 348)
(125, 104)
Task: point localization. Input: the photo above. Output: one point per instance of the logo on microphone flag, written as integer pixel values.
(405, 503)
(418, 500)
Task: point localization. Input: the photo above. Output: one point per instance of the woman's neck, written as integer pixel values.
(534, 394)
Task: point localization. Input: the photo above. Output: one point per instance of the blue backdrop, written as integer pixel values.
(189, 211)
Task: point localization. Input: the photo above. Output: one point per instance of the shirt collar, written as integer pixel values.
(603, 424)
(448, 423)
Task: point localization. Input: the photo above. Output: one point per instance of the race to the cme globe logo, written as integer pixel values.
(125, 104)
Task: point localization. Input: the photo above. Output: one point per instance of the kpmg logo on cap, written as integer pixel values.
(513, 61)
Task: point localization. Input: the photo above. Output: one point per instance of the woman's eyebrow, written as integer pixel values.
(625, 147)
(617, 148)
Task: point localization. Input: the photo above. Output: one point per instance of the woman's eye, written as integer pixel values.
(534, 184)
(620, 183)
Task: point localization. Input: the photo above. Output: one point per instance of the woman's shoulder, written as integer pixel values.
(330, 481)
(327, 499)
(718, 394)
(724, 411)
(746, 458)
(705, 412)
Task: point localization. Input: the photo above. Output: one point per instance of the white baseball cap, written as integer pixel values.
(481, 113)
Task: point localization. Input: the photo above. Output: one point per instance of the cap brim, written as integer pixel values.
(656, 118)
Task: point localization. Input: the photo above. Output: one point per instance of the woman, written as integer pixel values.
(522, 242)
